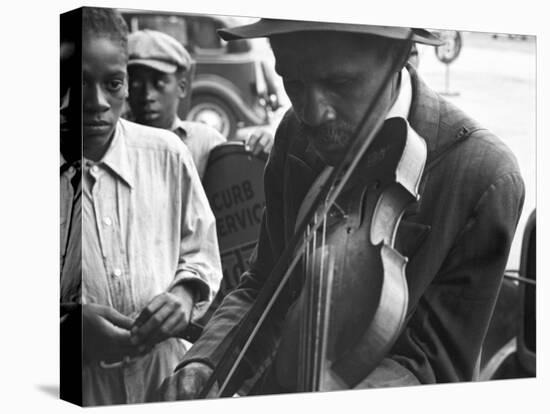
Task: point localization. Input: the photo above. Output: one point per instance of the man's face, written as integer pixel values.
(154, 96)
(330, 79)
(104, 88)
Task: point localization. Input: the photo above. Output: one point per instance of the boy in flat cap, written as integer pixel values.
(160, 73)
(150, 259)
(457, 238)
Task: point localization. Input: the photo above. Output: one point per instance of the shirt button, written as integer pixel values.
(117, 272)
(95, 169)
(71, 170)
(107, 221)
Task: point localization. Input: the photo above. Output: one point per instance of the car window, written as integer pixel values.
(203, 32)
(174, 26)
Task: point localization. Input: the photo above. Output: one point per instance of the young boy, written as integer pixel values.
(150, 259)
(160, 74)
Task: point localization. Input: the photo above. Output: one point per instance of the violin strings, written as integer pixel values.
(319, 307)
(303, 323)
(314, 311)
(312, 292)
(326, 315)
(309, 306)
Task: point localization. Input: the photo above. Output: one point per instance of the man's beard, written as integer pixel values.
(330, 140)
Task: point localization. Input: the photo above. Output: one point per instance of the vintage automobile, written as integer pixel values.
(233, 87)
(510, 348)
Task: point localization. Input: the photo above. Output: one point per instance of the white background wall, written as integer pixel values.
(29, 257)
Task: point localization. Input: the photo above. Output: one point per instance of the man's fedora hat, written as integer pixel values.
(272, 27)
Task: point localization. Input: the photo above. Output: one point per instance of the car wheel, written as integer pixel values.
(214, 112)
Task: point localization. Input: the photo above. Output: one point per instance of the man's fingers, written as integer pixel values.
(260, 141)
(252, 140)
(268, 146)
(189, 387)
(104, 340)
(178, 386)
(120, 335)
(152, 307)
(112, 315)
(118, 319)
(262, 144)
(186, 383)
(173, 325)
(122, 346)
(145, 332)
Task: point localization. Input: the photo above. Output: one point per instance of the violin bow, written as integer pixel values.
(279, 275)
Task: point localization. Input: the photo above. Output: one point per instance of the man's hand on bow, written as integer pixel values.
(186, 383)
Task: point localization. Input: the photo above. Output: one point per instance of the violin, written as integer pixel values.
(354, 298)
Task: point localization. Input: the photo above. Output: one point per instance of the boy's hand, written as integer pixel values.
(106, 334)
(166, 316)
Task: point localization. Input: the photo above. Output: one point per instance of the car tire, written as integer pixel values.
(215, 112)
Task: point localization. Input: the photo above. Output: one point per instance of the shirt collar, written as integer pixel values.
(402, 104)
(178, 127)
(116, 158)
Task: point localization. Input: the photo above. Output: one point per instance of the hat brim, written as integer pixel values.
(273, 27)
(165, 67)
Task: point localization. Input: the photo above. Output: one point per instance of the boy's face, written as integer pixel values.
(104, 88)
(154, 96)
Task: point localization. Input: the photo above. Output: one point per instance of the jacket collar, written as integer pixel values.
(425, 111)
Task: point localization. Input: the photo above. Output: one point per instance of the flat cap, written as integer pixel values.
(157, 50)
(272, 27)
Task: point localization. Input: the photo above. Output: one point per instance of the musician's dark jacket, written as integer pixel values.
(457, 240)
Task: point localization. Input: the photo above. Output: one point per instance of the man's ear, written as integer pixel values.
(405, 57)
(184, 87)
